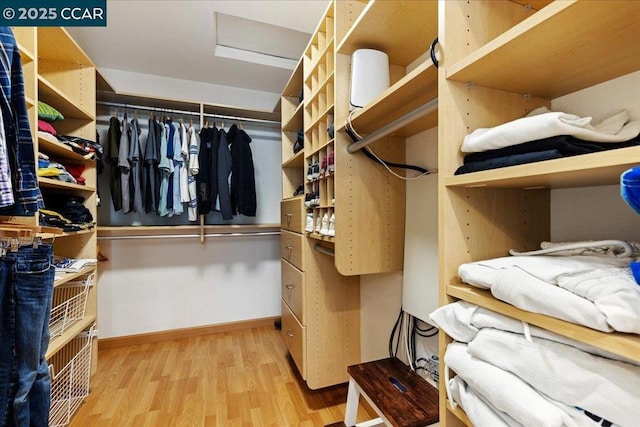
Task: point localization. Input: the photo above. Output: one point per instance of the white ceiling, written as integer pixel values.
(177, 39)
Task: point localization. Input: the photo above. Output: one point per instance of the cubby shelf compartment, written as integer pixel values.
(601, 168)
(295, 161)
(25, 54)
(324, 84)
(58, 342)
(67, 277)
(294, 123)
(322, 57)
(294, 85)
(410, 92)
(49, 183)
(322, 116)
(58, 149)
(54, 96)
(627, 345)
(538, 56)
(55, 44)
(317, 150)
(377, 28)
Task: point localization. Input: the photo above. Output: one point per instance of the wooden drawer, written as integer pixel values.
(293, 334)
(293, 215)
(291, 248)
(293, 290)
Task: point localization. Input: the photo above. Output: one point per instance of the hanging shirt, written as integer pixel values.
(136, 168)
(13, 108)
(177, 166)
(243, 183)
(125, 166)
(184, 168)
(194, 146)
(203, 180)
(165, 168)
(224, 170)
(6, 188)
(113, 144)
(150, 164)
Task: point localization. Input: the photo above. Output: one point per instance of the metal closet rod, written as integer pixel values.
(324, 250)
(423, 110)
(184, 112)
(188, 236)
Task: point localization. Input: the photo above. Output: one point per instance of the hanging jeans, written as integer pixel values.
(26, 288)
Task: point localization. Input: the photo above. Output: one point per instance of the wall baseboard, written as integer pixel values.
(151, 337)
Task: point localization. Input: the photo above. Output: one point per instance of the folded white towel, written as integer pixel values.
(548, 124)
(479, 411)
(505, 391)
(597, 292)
(607, 388)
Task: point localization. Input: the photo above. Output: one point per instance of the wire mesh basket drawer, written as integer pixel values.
(69, 304)
(70, 383)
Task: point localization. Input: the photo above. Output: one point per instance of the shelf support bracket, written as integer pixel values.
(387, 129)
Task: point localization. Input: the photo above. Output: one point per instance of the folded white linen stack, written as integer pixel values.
(543, 123)
(595, 291)
(536, 381)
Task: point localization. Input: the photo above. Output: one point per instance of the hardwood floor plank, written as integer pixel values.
(241, 378)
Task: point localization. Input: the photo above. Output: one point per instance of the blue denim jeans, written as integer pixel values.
(26, 288)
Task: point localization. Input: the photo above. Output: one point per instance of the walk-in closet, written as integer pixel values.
(327, 213)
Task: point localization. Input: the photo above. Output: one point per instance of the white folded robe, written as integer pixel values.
(542, 126)
(607, 388)
(507, 393)
(479, 411)
(597, 292)
(462, 321)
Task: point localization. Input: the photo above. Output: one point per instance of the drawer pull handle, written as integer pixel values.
(288, 219)
(289, 333)
(289, 286)
(290, 248)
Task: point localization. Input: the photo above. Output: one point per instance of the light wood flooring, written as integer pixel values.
(239, 378)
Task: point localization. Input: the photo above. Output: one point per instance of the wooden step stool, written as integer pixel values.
(399, 396)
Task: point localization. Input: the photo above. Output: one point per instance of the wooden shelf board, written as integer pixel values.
(317, 150)
(294, 85)
(295, 162)
(321, 56)
(295, 121)
(321, 116)
(402, 29)
(25, 54)
(55, 184)
(29, 101)
(55, 44)
(59, 149)
(67, 277)
(60, 101)
(460, 414)
(58, 342)
(320, 237)
(409, 93)
(626, 345)
(602, 168)
(324, 84)
(77, 233)
(150, 230)
(538, 56)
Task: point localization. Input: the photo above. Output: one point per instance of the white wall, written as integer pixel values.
(151, 285)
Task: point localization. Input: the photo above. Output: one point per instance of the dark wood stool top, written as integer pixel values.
(404, 397)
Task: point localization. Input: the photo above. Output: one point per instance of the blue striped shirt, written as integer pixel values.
(28, 198)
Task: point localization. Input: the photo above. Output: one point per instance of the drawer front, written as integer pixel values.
(293, 334)
(291, 248)
(292, 215)
(293, 290)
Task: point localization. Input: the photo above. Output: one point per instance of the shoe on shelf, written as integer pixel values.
(324, 229)
(316, 200)
(309, 224)
(323, 166)
(316, 170)
(318, 225)
(299, 190)
(330, 163)
(332, 226)
(308, 199)
(310, 172)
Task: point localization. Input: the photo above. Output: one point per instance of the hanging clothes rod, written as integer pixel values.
(185, 112)
(324, 250)
(393, 126)
(189, 236)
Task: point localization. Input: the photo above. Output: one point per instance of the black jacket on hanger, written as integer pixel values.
(243, 182)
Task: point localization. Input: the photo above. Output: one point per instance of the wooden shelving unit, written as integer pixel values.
(502, 59)
(58, 72)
